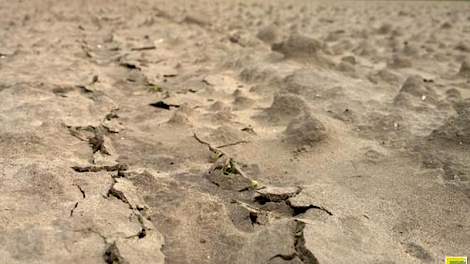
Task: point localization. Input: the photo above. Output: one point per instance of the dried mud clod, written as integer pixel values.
(276, 201)
(226, 174)
(97, 142)
(281, 242)
(111, 123)
(246, 216)
(276, 194)
(143, 245)
(103, 153)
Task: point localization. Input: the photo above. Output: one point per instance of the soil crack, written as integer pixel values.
(73, 209)
(93, 168)
(301, 251)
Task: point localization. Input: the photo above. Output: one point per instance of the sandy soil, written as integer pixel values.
(234, 131)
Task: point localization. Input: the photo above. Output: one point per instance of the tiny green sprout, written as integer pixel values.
(255, 184)
(155, 88)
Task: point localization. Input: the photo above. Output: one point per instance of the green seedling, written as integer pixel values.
(155, 88)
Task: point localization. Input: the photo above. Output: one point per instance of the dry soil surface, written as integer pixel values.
(234, 131)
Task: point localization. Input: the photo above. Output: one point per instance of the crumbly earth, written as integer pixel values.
(234, 131)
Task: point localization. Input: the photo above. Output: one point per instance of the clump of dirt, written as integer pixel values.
(276, 194)
(349, 59)
(226, 134)
(384, 75)
(298, 46)
(179, 119)
(242, 102)
(284, 107)
(219, 106)
(268, 34)
(465, 69)
(226, 175)
(346, 67)
(415, 90)
(453, 95)
(303, 82)
(457, 128)
(305, 130)
(399, 61)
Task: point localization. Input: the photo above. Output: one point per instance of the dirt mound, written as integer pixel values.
(399, 61)
(268, 34)
(366, 49)
(305, 83)
(410, 50)
(301, 47)
(384, 75)
(457, 128)
(305, 130)
(179, 119)
(465, 69)
(284, 107)
(415, 91)
(242, 102)
(347, 68)
(225, 135)
(219, 106)
(384, 29)
(453, 95)
(181, 116)
(349, 59)
(414, 85)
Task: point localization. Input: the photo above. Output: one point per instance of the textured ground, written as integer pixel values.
(234, 131)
